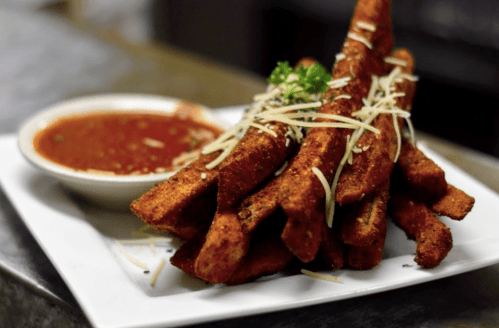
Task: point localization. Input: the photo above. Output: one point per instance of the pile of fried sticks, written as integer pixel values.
(239, 221)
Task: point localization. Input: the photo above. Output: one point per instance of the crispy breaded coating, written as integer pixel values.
(257, 156)
(373, 166)
(223, 250)
(259, 205)
(185, 257)
(433, 238)
(194, 220)
(425, 178)
(162, 206)
(300, 189)
(455, 204)
(268, 257)
(332, 249)
(303, 237)
(366, 257)
(366, 220)
(267, 254)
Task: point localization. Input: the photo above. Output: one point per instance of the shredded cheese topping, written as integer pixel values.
(380, 100)
(343, 97)
(325, 184)
(340, 56)
(339, 83)
(359, 38)
(271, 107)
(366, 26)
(395, 61)
(283, 167)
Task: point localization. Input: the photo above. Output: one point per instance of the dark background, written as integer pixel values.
(455, 42)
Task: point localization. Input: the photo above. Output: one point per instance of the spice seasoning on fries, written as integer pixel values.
(270, 185)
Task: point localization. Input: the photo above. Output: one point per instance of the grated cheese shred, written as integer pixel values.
(296, 116)
(283, 167)
(156, 272)
(320, 276)
(366, 26)
(395, 61)
(129, 257)
(380, 100)
(360, 39)
(325, 184)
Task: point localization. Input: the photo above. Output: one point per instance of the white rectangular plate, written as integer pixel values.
(79, 240)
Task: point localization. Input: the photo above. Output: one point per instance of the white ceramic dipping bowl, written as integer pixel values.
(112, 192)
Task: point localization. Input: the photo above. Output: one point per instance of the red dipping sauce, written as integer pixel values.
(125, 143)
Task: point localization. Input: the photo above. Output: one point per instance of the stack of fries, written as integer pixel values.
(241, 221)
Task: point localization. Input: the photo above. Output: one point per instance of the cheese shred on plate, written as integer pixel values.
(146, 239)
(156, 272)
(129, 257)
(320, 276)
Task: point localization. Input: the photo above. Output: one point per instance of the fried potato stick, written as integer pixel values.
(373, 166)
(303, 238)
(424, 178)
(185, 257)
(254, 209)
(365, 221)
(194, 221)
(332, 249)
(366, 257)
(300, 189)
(163, 207)
(455, 204)
(433, 238)
(257, 156)
(426, 181)
(264, 258)
(259, 205)
(225, 246)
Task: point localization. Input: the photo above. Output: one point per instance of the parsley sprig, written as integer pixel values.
(300, 82)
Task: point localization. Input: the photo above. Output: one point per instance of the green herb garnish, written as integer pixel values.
(300, 82)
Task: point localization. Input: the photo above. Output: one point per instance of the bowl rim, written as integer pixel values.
(140, 103)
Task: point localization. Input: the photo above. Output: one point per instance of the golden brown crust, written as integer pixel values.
(257, 156)
(433, 238)
(194, 220)
(223, 250)
(455, 203)
(332, 249)
(303, 237)
(265, 258)
(366, 220)
(258, 206)
(425, 178)
(366, 257)
(370, 168)
(300, 189)
(185, 257)
(162, 207)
